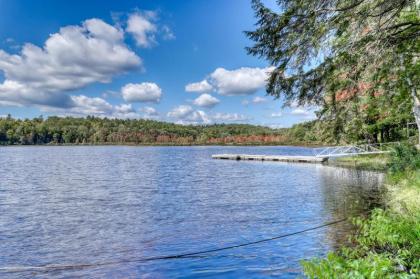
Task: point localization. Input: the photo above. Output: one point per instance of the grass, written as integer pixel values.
(387, 244)
(379, 162)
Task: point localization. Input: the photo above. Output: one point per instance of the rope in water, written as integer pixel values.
(46, 268)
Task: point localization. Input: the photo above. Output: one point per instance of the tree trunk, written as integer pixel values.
(416, 104)
(416, 111)
(413, 92)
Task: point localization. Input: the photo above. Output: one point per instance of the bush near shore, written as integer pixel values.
(387, 244)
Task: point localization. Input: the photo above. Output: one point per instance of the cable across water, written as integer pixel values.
(57, 267)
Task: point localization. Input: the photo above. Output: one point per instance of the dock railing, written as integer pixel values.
(357, 149)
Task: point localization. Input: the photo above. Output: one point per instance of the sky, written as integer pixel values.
(176, 61)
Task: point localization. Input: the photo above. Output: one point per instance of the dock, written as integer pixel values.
(274, 158)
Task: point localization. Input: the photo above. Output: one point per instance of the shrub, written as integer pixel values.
(405, 157)
(386, 247)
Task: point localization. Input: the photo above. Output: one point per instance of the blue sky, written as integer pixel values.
(178, 61)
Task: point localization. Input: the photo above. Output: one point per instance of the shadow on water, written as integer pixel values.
(349, 192)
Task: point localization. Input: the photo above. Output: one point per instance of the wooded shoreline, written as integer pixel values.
(103, 131)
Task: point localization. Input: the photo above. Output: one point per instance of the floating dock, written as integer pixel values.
(282, 158)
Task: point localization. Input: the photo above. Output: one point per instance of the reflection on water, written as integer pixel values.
(360, 194)
(87, 205)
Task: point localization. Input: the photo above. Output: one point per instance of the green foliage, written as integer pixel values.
(357, 60)
(405, 157)
(327, 132)
(92, 130)
(379, 162)
(386, 247)
(387, 243)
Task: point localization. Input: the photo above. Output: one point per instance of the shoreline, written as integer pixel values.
(386, 244)
(175, 145)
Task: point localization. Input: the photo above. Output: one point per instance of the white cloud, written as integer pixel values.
(149, 112)
(306, 113)
(90, 106)
(13, 93)
(198, 116)
(256, 100)
(300, 111)
(276, 114)
(103, 30)
(143, 28)
(206, 100)
(199, 87)
(74, 57)
(185, 114)
(180, 112)
(124, 111)
(124, 108)
(259, 100)
(141, 92)
(83, 106)
(229, 117)
(243, 81)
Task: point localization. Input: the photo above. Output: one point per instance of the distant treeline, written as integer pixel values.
(94, 130)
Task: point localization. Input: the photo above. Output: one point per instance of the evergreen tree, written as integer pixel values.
(366, 48)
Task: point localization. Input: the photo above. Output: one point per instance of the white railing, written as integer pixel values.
(349, 150)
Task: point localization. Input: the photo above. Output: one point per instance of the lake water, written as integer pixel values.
(96, 212)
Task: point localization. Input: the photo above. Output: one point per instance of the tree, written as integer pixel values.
(321, 47)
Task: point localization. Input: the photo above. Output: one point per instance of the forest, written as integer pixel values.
(95, 130)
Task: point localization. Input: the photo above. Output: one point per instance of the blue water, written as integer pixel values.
(99, 210)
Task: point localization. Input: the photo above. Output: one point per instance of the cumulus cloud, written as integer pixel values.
(141, 92)
(259, 100)
(124, 111)
(256, 100)
(124, 108)
(229, 117)
(199, 87)
(198, 116)
(84, 105)
(206, 100)
(143, 28)
(242, 81)
(185, 114)
(300, 111)
(149, 112)
(13, 93)
(276, 114)
(306, 113)
(71, 59)
(180, 111)
(90, 106)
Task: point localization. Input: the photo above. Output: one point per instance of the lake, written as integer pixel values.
(99, 211)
